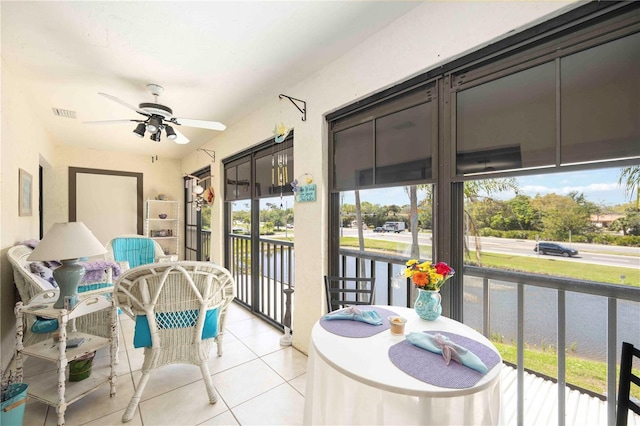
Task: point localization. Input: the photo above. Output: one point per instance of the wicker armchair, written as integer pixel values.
(30, 285)
(180, 310)
(134, 250)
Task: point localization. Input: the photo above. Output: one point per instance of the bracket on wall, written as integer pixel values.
(209, 152)
(294, 101)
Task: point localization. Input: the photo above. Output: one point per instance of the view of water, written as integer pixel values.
(586, 317)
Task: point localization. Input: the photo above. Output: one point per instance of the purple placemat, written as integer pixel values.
(431, 368)
(350, 328)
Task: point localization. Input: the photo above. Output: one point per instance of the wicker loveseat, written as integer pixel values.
(30, 284)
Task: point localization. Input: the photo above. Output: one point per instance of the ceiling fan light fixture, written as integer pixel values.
(139, 130)
(158, 117)
(171, 134)
(153, 125)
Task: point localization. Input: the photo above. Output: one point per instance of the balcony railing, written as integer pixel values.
(275, 273)
(386, 269)
(263, 289)
(205, 241)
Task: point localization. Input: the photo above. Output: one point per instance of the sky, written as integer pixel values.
(598, 186)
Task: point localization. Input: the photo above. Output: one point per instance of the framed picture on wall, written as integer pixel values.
(25, 191)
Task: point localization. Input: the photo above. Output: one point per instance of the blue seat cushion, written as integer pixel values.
(49, 325)
(93, 286)
(183, 319)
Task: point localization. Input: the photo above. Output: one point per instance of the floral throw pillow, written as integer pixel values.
(41, 270)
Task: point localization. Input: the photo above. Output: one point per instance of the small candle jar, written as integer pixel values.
(396, 325)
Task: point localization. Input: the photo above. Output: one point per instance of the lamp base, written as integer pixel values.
(68, 277)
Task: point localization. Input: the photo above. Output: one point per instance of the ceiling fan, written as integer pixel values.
(159, 117)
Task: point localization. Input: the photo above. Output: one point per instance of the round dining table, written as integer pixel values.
(363, 374)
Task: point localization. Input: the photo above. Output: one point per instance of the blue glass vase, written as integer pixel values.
(428, 305)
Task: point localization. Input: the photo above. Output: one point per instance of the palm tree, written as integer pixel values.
(472, 191)
(360, 265)
(630, 178)
(413, 221)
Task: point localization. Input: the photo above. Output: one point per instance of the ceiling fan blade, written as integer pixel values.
(180, 138)
(121, 102)
(109, 121)
(211, 125)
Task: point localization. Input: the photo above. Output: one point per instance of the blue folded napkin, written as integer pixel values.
(440, 344)
(355, 314)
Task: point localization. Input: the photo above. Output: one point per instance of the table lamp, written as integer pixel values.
(67, 242)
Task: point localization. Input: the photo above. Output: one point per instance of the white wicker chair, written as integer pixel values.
(130, 255)
(173, 299)
(29, 286)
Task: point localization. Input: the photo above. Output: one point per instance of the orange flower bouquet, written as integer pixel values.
(428, 276)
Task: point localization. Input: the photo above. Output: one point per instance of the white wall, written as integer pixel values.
(23, 144)
(430, 34)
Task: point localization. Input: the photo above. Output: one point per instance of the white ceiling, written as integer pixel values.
(217, 60)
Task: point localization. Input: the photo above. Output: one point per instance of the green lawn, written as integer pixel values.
(538, 265)
(591, 375)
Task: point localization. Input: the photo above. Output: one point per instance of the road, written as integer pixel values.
(627, 257)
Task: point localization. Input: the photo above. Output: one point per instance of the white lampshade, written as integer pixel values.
(71, 240)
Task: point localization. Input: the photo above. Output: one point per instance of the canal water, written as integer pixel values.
(586, 318)
(586, 315)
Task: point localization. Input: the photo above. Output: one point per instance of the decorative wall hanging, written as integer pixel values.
(304, 193)
(201, 196)
(280, 131)
(25, 189)
(279, 169)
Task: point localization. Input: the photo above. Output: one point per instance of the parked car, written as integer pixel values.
(379, 229)
(553, 248)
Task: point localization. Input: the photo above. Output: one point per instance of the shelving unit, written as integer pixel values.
(53, 387)
(165, 231)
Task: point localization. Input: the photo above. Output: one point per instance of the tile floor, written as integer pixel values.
(258, 382)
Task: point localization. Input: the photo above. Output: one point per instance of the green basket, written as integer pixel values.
(12, 412)
(80, 368)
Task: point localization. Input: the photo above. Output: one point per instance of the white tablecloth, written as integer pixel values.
(352, 381)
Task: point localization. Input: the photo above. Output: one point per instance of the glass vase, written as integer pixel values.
(428, 305)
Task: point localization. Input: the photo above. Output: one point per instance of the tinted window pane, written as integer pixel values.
(274, 172)
(264, 173)
(507, 123)
(230, 179)
(244, 181)
(403, 145)
(353, 157)
(600, 94)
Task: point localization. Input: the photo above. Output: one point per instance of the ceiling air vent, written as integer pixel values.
(59, 112)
